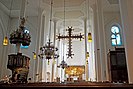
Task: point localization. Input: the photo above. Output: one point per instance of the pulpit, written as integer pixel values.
(17, 61)
(19, 65)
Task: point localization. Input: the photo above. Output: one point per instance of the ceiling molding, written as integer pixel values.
(113, 1)
(4, 8)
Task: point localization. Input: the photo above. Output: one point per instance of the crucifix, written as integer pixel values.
(70, 37)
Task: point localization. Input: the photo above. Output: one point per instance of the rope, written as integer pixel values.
(50, 19)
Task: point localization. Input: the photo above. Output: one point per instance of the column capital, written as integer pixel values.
(84, 18)
(55, 20)
(93, 6)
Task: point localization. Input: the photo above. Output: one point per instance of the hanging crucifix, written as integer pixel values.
(70, 37)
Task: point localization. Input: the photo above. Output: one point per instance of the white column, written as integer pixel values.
(57, 62)
(39, 30)
(43, 62)
(53, 61)
(85, 38)
(55, 23)
(101, 40)
(60, 59)
(42, 37)
(96, 45)
(62, 75)
(127, 25)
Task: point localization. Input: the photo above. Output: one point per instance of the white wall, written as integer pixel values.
(4, 49)
(109, 20)
(78, 49)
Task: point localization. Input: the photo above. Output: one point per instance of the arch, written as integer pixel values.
(2, 26)
(2, 49)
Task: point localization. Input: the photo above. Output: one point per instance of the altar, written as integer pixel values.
(75, 73)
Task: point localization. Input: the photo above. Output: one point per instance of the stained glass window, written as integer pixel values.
(115, 36)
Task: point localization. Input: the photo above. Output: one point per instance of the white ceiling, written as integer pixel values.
(11, 4)
(108, 5)
(111, 5)
(68, 3)
(74, 8)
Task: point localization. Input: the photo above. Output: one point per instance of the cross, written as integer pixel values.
(70, 37)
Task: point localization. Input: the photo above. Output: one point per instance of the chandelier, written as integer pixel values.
(63, 64)
(49, 50)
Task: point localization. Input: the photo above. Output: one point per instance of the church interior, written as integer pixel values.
(66, 41)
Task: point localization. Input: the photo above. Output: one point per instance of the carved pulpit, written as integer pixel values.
(18, 63)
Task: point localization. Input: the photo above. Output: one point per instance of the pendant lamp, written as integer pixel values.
(5, 41)
(89, 37)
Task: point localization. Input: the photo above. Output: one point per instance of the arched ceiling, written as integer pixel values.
(74, 9)
(69, 14)
(68, 3)
(108, 5)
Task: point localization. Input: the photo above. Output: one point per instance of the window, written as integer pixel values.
(115, 36)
